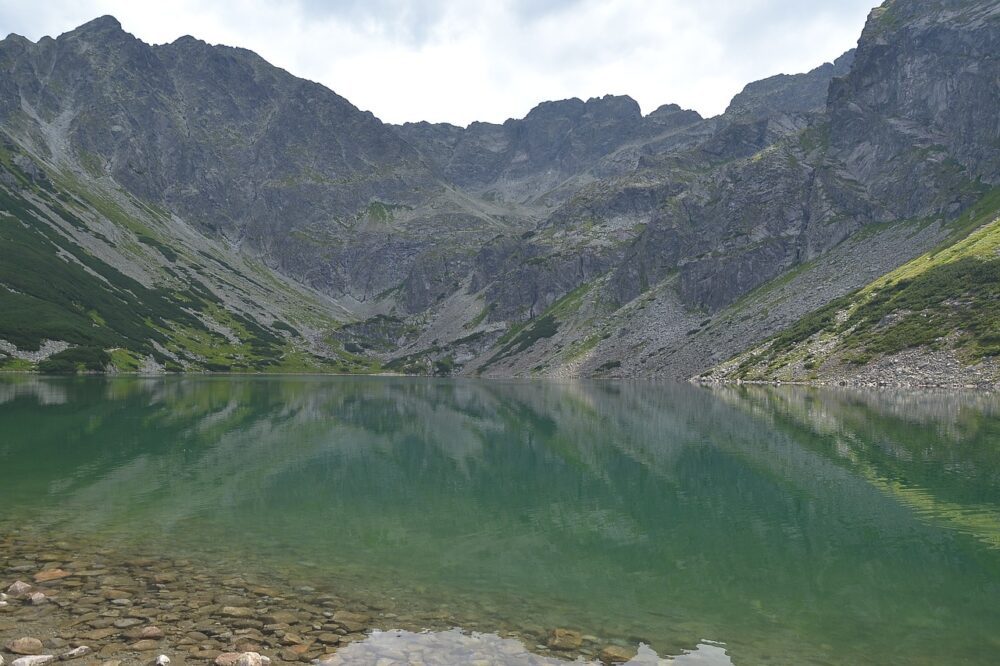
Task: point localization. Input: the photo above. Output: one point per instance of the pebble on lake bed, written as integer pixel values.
(615, 654)
(36, 660)
(162, 660)
(46, 575)
(565, 639)
(18, 589)
(75, 653)
(25, 645)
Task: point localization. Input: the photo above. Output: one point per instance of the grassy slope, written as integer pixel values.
(52, 287)
(946, 298)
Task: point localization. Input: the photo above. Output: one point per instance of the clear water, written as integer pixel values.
(787, 525)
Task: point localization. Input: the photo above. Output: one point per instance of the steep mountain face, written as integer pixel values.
(282, 168)
(789, 93)
(583, 239)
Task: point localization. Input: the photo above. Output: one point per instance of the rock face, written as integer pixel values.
(789, 93)
(583, 239)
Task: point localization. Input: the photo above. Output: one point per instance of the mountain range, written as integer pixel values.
(190, 207)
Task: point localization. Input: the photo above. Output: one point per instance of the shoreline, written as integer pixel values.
(100, 605)
(991, 387)
(819, 383)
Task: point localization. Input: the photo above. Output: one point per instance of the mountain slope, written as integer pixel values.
(584, 239)
(933, 320)
(93, 278)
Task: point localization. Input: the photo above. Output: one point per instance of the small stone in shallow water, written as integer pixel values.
(253, 659)
(46, 575)
(25, 645)
(36, 660)
(151, 632)
(75, 653)
(615, 654)
(237, 611)
(565, 639)
(37, 598)
(18, 589)
(145, 645)
(351, 621)
(227, 659)
(162, 660)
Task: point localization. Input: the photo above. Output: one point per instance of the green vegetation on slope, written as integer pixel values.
(52, 288)
(945, 297)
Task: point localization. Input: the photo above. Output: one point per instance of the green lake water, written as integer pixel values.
(782, 525)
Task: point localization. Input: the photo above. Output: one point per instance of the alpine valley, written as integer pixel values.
(190, 207)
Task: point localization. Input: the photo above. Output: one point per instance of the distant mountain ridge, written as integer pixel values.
(285, 228)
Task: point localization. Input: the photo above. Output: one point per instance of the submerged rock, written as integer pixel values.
(36, 660)
(162, 660)
(25, 645)
(18, 589)
(253, 659)
(351, 621)
(46, 575)
(615, 654)
(565, 639)
(37, 598)
(75, 653)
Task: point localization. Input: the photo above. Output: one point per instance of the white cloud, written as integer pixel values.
(461, 61)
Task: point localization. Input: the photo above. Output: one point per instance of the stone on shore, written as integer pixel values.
(36, 660)
(25, 645)
(75, 653)
(565, 639)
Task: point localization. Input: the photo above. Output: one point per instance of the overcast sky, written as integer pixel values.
(459, 61)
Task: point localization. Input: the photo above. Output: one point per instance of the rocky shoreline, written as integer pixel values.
(93, 605)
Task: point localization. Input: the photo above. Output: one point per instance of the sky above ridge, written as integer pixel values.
(460, 61)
